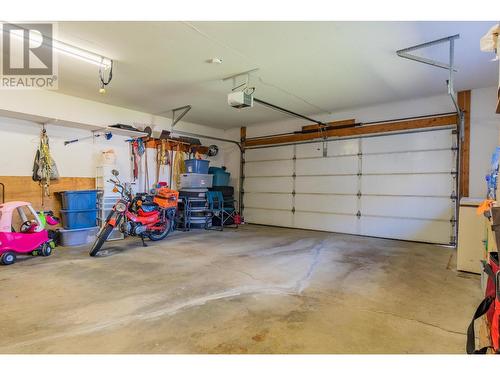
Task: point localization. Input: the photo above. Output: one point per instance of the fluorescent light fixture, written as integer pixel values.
(35, 39)
(81, 54)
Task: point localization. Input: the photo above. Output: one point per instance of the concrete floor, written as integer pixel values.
(251, 290)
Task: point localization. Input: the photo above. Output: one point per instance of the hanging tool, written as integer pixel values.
(162, 157)
(146, 170)
(44, 166)
(107, 135)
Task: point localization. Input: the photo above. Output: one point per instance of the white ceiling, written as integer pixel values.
(308, 67)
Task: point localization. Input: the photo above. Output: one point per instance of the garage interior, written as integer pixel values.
(338, 215)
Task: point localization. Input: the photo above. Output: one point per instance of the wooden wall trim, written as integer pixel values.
(23, 188)
(329, 124)
(428, 122)
(464, 100)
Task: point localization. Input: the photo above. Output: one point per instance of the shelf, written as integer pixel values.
(124, 132)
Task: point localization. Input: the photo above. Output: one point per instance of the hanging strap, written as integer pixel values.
(482, 309)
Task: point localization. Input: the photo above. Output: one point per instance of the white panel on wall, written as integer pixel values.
(343, 147)
(309, 150)
(266, 200)
(270, 153)
(326, 184)
(327, 166)
(268, 184)
(327, 222)
(415, 207)
(406, 229)
(344, 204)
(268, 217)
(408, 142)
(410, 162)
(334, 148)
(269, 168)
(422, 185)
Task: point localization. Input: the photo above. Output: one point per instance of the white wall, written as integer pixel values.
(19, 138)
(485, 126)
(484, 137)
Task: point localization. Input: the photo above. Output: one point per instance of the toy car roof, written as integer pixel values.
(14, 204)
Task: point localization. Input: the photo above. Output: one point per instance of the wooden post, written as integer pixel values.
(243, 139)
(464, 99)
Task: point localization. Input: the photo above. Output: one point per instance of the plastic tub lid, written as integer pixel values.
(75, 230)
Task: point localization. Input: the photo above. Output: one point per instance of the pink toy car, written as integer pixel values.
(32, 238)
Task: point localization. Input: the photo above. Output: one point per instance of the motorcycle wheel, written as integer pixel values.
(157, 235)
(101, 238)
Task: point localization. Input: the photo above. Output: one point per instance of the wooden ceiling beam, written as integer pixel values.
(395, 126)
(329, 124)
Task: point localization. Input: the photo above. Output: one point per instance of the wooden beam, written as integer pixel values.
(329, 124)
(428, 122)
(464, 98)
(243, 135)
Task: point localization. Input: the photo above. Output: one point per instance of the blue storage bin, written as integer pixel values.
(215, 170)
(76, 219)
(221, 179)
(79, 199)
(196, 166)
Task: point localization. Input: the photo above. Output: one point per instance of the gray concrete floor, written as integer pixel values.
(251, 290)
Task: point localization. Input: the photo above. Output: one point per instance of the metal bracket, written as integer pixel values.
(448, 66)
(404, 53)
(185, 109)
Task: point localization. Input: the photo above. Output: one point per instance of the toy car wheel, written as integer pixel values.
(8, 258)
(46, 250)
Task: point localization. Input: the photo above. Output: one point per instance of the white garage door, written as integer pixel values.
(398, 186)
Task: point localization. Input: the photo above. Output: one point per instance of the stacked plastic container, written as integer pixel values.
(78, 214)
(197, 175)
(194, 185)
(106, 198)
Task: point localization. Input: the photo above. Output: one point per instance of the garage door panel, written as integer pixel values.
(335, 148)
(269, 201)
(326, 203)
(414, 207)
(268, 184)
(268, 217)
(270, 153)
(326, 184)
(422, 185)
(327, 222)
(309, 150)
(269, 168)
(411, 162)
(338, 165)
(408, 142)
(406, 229)
(343, 147)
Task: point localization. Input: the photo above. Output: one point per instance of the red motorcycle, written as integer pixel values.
(144, 215)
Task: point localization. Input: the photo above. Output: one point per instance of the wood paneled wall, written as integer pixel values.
(23, 188)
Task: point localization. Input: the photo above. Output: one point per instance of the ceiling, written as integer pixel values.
(307, 67)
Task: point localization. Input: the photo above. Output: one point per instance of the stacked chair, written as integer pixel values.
(222, 207)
